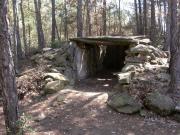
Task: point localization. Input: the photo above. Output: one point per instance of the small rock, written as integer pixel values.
(55, 76)
(46, 49)
(60, 98)
(176, 117)
(40, 117)
(163, 77)
(48, 80)
(177, 108)
(125, 78)
(128, 67)
(153, 62)
(143, 112)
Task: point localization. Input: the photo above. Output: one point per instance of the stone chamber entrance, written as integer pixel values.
(114, 58)
(101, 54)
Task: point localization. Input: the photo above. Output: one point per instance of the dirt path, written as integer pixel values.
(83, 111)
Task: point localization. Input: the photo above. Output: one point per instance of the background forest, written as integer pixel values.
(47, 22)
(139, 38)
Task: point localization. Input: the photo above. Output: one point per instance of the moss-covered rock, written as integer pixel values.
(159, 103)
(54, 82)
(124, 103)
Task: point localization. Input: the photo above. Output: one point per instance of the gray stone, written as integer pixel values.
(135, 60)
(124, 103)
(163, 77)
(153, 62)
(131, 67)
(70, 75)
(55, 76)
(60, 61)
(54, 86)
(40, 117)
(176, 117)
(54, 82)
(143, 49)
(162, 61)
(121, 88)
(117, 86)
(54, 70)
(48, 80)
(128, 67)
(36, 57)
(159, 103)
(143, 112)
(148, 50)
(177, 108)
(49, 56)
(125, 78)
(46, 49)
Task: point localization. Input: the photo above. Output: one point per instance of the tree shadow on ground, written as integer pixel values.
(83, 111)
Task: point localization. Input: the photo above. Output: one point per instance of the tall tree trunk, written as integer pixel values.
(168, 31)
(165, 15)
(19, 46)
(119, 16)
(140, 18)
(109, 21)
(15, 33)
(153, 22)
(7, 76)
(114, 27)
(88, 18)
(29, 38)
(57, 32)
(160, 25)
(60, 28)
(145, 16)
(29, 31)
(65, 21)
(137, 20)
(23, 28)
(79, 19)
(104, 17)
(41, 41)
(53, 31)
(174, 47)
(96, 17)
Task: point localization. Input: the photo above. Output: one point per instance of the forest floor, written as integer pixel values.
(82, 110)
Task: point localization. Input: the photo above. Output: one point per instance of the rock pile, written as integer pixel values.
(138, 59)
(58, 61)
(144, 79)
(59, 67)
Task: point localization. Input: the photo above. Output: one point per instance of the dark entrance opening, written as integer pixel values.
(114, 58)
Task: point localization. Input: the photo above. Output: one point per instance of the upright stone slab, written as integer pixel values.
(81, 62)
